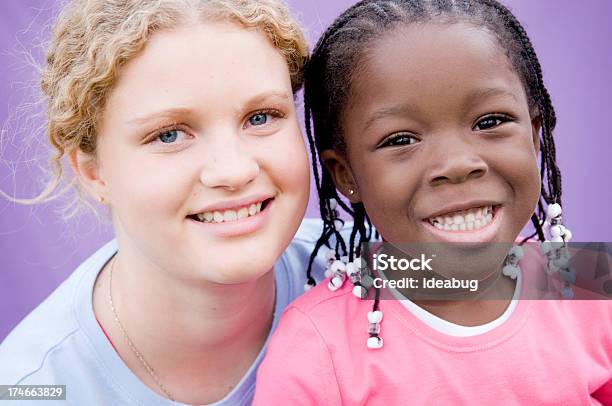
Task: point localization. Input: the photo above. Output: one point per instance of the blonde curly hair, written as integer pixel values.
(92, 39)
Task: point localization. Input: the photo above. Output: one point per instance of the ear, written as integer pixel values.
(87, 170)
(536, 125)
(341, 174)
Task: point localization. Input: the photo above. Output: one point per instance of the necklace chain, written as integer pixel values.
(144, 363)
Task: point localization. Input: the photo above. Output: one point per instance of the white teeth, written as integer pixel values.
(465, 220)
(457, 219)
(217, 217)
(229, 215)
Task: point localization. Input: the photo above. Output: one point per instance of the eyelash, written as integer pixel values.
(273, 112)
(498, 118)
(392, 140)
(176, 127)
(165, 130)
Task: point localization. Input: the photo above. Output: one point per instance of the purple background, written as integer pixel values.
(38, 250)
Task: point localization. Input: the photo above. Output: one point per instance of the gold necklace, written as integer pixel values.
(129, 341)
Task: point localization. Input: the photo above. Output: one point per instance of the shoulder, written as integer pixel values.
(300, 355)
(311, 229)
(328, 316)
(50, 327)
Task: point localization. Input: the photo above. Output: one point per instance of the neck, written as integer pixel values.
(199, 338)
(489, 306)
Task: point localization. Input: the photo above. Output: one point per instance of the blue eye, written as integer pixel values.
(169, 137)
(258, 119)
(490, 122)
(398, 140)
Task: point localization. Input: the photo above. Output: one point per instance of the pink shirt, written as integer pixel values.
(548, 352)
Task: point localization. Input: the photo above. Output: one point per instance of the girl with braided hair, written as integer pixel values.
(178, 117)
(428, 116)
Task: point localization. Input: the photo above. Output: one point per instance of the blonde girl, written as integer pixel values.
(178, 116)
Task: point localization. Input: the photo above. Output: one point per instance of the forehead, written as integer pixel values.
(220, 62)
(432, 65)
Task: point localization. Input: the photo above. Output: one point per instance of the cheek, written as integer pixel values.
(286, 162)
(148, 183)
(517, 165)
(386, 191)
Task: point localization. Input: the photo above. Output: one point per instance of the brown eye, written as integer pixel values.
(490, 122)
(398, 140)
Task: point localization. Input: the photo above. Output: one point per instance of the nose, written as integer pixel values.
(456, 162)
(229, 165)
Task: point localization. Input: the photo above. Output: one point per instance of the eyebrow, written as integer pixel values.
(262, 97)
(169, 112)
(397, 110)
(408, 109)
(485, 93)
(182, 111)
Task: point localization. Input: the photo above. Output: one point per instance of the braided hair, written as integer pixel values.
(332, 67)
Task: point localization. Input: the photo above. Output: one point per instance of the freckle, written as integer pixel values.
(214, 309)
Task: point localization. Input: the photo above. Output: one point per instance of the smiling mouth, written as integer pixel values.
(230, 215)
(465, 220)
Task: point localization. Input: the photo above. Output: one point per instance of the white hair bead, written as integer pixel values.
(333, 204)
(517, 251)
(561, 262)
(334, 284)
(553, 210)
(567, 236)
(511, 271)
(328, 273)
(307, 287)
(360, 291)
(375, 316)
(557, 239)
(351, 269)
(330, 255)
(337, 266)
(375, 343)
(556, 231)
(546, 247)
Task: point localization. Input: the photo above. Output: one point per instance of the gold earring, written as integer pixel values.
(351, 192)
